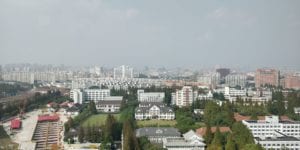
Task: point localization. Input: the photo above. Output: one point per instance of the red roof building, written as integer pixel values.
(48, 118)
(15, 124)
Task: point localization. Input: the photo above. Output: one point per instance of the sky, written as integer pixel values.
(170, 33)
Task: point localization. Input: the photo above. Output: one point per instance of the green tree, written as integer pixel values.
(208, 135)
(216, 143)
(81, 134)
(230, 145)
(242, 135)
(92, 107)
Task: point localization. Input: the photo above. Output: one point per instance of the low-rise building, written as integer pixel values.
(157, 134)
(150, 96)
(189, 141)
(267, 127)
(154, 110)
(278, 141)
(110, 104)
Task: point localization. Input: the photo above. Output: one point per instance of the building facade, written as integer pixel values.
(79, 95)
(292, 81)
(278, 141)
(184, 97)
(233, 80)
(266, 128)
(157, 134)
(266, 77)
(123, 72)
(154, 110)
(150, 96)
(109, 104)
(188, 141)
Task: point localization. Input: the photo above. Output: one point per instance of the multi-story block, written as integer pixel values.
(292, 81)
(79, 96)
(233, 80)
(266, 128)
(76, 95)
(96, 94)
(266, 77)
(223, 72)
(211, 79)
(123, 72)
(150, 96)
(278, 141)
(184, 97)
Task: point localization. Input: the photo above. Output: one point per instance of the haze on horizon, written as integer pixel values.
(168, 33)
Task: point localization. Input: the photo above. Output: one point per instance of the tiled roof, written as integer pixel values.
(202, 131)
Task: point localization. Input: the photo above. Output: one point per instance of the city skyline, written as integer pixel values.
(161, 34)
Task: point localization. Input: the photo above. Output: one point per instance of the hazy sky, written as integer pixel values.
(171, 33)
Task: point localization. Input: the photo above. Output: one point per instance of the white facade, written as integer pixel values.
(110, 104)
(123, 72)
(211, 79)
(150, 96)
(79, 96)
(233, 80)
(278, 141)
(184, 97)
(266, 128)
(23, 76)
(151, 110)
(76, 95)
(189, 141)
(207, 96)
(96, 94)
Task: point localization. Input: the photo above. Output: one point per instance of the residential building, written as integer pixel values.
(231, 92)
(292, 81)
(223, 72)
(123, 72)
(210, 79)
(208, 96)
(188, 141)
(150, 96)
(157, 134)
(184, 97)
(235, 79)
(20, 76)
(266, 127)
(79, 95)
(297, 110)
(266, 77)
(76, 95)
(96, 94)
(154, 110)
(278, 141)
(109, 104)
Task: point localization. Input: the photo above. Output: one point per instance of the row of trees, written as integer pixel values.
(37, 101)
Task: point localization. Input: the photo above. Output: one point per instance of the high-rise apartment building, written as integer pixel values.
(223, 72)
(233, 80)
(123, 72)
(292, 81)
(266, 77)
(76, 95)
(210, 79)
(184, 97)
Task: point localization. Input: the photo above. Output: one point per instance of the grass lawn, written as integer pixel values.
(5, 141)
(154, 123)
(98, 119)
